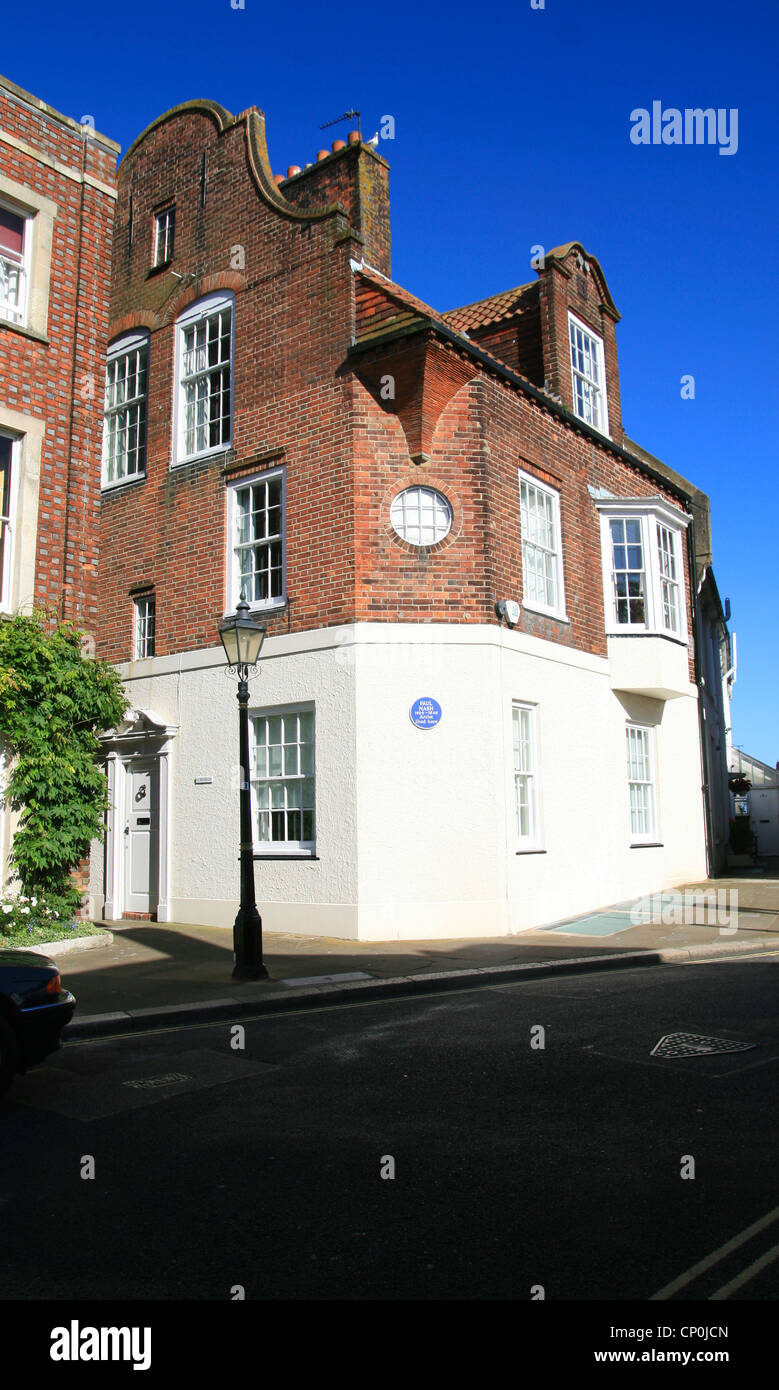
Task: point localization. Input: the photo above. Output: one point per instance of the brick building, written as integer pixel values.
(57, 199)
(476, 708)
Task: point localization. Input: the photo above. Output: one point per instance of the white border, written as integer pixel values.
(598, 340)
(209, 304)
(232, 592)
(119, 348)
(534, 606)
(526, 844)
(648, 511)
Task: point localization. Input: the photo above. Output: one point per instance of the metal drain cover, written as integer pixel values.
(696, 1045)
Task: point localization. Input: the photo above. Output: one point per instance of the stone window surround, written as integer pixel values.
(42, 211)
(29, 434)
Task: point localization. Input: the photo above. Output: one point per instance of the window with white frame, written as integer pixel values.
(588, 375)
(421, 515)
(526, 775)
(15, 242)
(124, 421)
(282, 780)
(256, 522)
(542, 554)
(7, 486)
(145, 617)
(204, 356)
(642, 566)
(668, 571)
(641, 783)
(164, 234)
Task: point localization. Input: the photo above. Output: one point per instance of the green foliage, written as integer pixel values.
(22, 916)
(53, 702)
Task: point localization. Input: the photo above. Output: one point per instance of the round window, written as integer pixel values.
(421, 516)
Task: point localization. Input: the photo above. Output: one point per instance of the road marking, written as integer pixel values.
(746, 1274)
(750, 1066)
(714, 1258)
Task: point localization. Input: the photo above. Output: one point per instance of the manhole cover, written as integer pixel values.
(696, 1045)
(148, 1083)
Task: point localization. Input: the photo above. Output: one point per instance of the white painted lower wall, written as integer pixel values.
(416, 830)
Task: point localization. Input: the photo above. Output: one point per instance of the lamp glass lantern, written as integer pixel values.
(242, 637)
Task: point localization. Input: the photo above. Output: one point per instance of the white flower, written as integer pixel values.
(34, 902)
(27, 910)
(8, 907)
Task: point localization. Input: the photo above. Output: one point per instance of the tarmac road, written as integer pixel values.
(515, 1165)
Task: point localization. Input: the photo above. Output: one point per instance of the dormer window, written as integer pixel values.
(588, 375)
(164, 234)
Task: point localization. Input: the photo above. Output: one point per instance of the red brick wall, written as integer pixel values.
(302, 401)
(563, 287)
(484, 435)
(61, 381)
(517, 342)
(359, 178)
(293, 308)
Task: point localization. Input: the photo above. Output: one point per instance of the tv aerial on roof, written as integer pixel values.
(347, 116)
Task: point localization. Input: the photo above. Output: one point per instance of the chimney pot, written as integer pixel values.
(292, 170)
(322, 154)
(354, 137)
(278, 178)
(339, 145)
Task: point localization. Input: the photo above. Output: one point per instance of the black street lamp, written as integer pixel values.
(242, 640)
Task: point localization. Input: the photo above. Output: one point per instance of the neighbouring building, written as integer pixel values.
(716, 676)
(57, 200)
(476, 710)
(760, 802)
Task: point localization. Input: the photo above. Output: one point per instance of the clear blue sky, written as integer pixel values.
(512, 129)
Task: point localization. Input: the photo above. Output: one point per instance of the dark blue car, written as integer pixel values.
(34, 1009)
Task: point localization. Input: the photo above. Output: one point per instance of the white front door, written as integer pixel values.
(764, 815)
(141, 836)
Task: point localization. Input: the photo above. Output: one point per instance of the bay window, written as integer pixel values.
(642, 547)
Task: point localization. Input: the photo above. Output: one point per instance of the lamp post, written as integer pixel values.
(242, 640)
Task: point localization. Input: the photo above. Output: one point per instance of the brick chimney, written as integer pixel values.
(355, 175)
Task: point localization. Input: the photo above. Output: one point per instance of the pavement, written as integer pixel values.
(169, 974)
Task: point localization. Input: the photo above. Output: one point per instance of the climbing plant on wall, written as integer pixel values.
(54, 701)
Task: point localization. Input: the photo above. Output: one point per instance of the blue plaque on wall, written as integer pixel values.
(425, 712)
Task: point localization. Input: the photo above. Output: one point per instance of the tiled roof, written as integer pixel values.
(387, 307)
(486, 311)
(390, 287)
(376, 315)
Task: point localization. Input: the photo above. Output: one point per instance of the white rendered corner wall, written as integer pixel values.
(415, 829)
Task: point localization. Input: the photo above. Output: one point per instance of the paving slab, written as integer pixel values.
(167, 974)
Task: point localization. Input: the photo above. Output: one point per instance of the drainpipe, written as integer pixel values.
(73, 361)
(702, 746)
